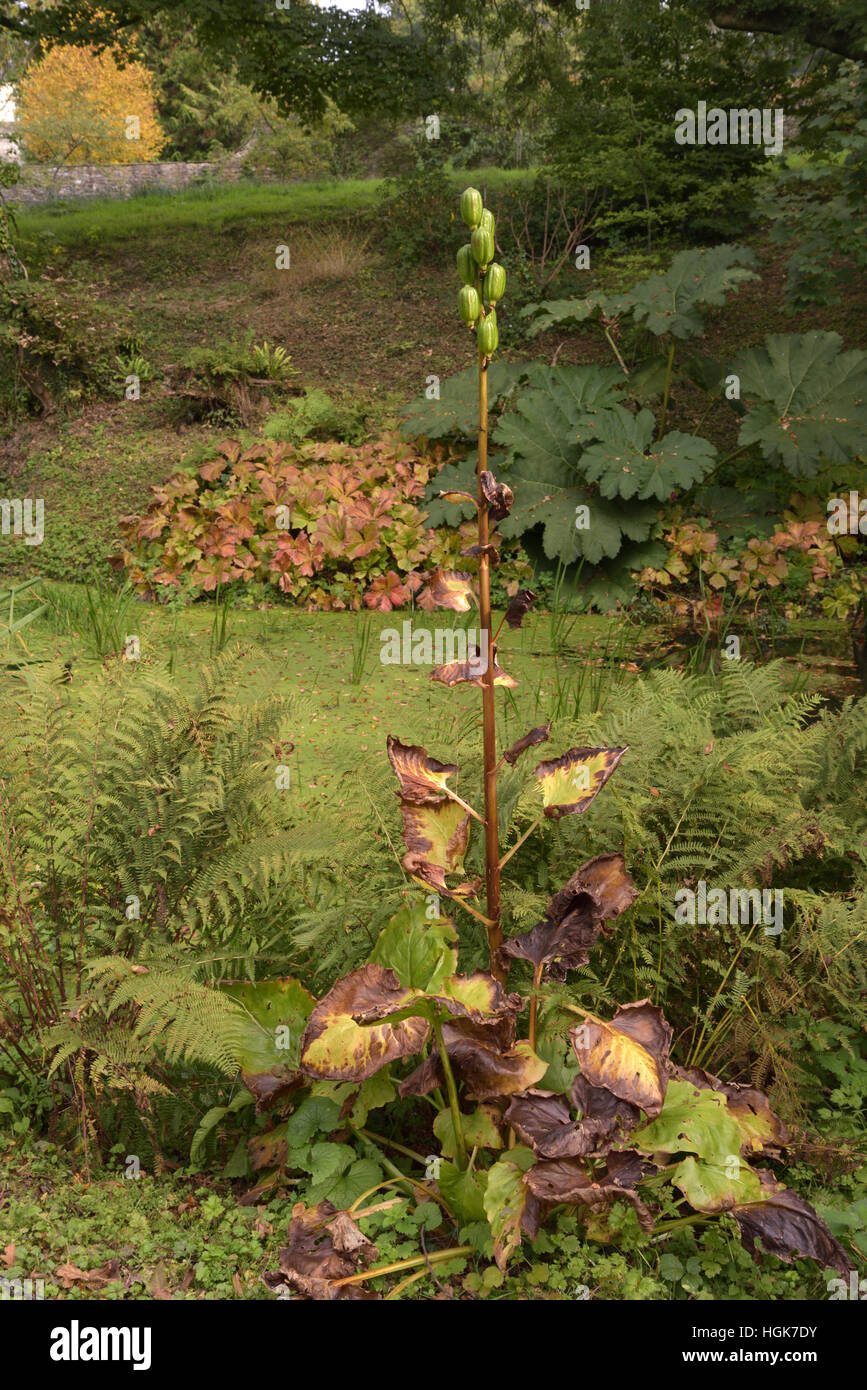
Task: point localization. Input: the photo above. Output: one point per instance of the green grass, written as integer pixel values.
(214, 206)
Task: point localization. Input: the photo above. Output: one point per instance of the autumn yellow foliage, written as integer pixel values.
(78, 106)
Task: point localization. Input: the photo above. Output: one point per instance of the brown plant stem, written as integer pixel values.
(534, 1003)
(489, 725)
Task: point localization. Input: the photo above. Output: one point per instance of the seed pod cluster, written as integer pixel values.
(484, 281)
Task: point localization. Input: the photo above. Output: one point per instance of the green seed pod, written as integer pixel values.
(467, 268)
(487, 221)
(488, 335)
(469, 304)
(471, 206)
(482, 244)
(495, 283)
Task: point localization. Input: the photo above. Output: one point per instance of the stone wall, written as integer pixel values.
(42, 184)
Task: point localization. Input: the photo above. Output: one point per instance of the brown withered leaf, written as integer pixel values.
(519, 607)
(499, 496)
(477, 997)
(472, 671)
(561, 946)
(540, 1118)
(458, 497)
(436, 836)
(537, 735)
(788, 1227)
(94, 1279)
(762, 1130)
(324, 1246)
(335, 1048)
(422, 779)
(571, 782)
(626, 1167)
(485, 1058)
(575, 917)
(475, 552)
(564, 1180)
(605, 1118)
(606, 879)
(268, 1149)
(627, 1056)
(451, 589)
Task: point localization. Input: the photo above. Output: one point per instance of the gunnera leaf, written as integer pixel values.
(335, 1048)
(570, 783)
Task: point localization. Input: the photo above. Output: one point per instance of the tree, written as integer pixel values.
(298, 54)
(78, 106)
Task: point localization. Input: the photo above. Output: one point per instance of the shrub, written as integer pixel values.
(329, 525)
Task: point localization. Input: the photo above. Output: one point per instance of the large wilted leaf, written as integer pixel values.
(716, 1187)
(324, 1246)
(422, 953)
(626, 462)
(605, 1119)
(519, 607)
(512, 1208)
(691, 1121)
(628, 1055)
(570, 783)
(539, 1118)
(452, 589)
(422, 779)
(761, 1130)
(484, 1058)
(787, 1227)
(807, 400)
(538, 735)
(436, 836)
(575, 917)
(545, 1121)
(335, 1048)
(272, 1017)
(478, 997)
(498, 496)
(565, 1180)
(471, 672)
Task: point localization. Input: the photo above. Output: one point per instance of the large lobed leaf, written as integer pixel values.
(807, 400)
